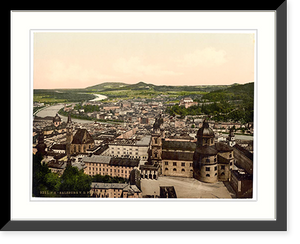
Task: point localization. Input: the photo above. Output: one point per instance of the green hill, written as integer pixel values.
(107, 85)
(235, 92)
(113, 86)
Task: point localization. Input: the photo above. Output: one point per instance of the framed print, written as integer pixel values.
(173, 122)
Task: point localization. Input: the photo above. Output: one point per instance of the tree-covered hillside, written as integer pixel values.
(235, 103)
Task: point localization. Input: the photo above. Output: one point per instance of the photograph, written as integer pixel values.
(143, 114)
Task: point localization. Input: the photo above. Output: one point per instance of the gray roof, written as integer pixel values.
(82, 136)
(100, 185)
(145, 141)
(125, 162)
(184, 156)
(179, 145)
(97, 159)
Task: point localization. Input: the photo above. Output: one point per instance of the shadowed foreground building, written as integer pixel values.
(114, 190)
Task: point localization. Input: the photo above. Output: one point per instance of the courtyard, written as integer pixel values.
(186, 187)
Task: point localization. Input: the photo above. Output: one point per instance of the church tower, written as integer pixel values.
(231, 138)
(41, 146)
(69, 130)
(156, 141)
(205, 162)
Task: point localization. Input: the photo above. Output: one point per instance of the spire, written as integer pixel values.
(69, 119)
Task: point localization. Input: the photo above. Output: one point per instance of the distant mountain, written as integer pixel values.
(107, 85)
(110, 86)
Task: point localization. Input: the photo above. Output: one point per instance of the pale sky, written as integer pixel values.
(82, 59)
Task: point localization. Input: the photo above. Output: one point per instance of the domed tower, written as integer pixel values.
(231, 138)
(205, 162)
(56, 120)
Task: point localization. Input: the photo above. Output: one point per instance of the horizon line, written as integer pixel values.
(140, 82)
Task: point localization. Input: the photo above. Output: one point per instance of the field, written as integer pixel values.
(61, 96)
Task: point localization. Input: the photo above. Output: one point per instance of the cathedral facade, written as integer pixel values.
(205, 160)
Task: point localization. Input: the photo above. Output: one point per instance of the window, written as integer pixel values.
(207, 175)
(182, 164)
(183, 170)
(216, 168)
(174, 169)
(215, 160)
(155, 140)
(166, 169)
(207, 160)
(174, 164)
(207, 168)
(222, 166)
(230, 155)
(222, 173)
(166, 163)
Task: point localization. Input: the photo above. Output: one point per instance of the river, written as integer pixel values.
(53, 110)
(98, 97)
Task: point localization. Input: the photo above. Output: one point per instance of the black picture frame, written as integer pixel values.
(281, 222)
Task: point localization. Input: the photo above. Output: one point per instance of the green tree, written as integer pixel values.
(75, 180)
(39, 173)
(52, 182)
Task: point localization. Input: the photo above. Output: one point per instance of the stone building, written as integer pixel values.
(106, 165)
(212, 161)
(187, 102)
(78, 143)
(177, 158)
(114, 190)
(130, 148)
(204, 160)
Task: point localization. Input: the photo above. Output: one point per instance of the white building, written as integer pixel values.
(136, 150)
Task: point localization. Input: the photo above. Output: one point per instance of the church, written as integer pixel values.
(78, 143)
(205, 160)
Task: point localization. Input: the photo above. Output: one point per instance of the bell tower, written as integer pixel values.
(231, 138)
(69, 130)
(156, 141)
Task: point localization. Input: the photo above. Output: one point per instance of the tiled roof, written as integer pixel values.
(179, 145)
(82, 136)
(184, 156)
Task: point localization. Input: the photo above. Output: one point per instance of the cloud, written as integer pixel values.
(135, 67)
(207, 57)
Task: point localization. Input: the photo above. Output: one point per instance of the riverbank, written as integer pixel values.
(99, 97)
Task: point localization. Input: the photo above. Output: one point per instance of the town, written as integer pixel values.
(138, 148)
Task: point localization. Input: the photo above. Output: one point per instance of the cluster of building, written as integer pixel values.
(144, 148)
